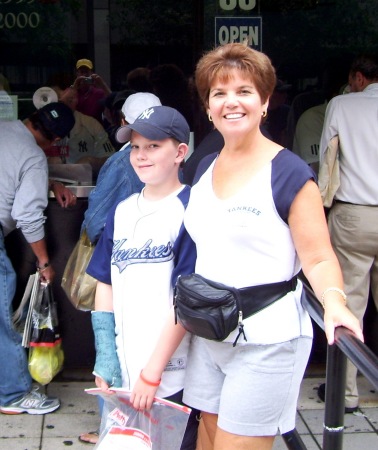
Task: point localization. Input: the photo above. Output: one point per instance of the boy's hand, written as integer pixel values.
(143, 395)
(103, 385)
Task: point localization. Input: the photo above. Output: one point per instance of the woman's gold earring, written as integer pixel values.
(264, 113)
(209, 116)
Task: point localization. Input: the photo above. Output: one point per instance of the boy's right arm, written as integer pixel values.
(107, 368)
(104, 297)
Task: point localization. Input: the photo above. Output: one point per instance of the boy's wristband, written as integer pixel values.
(150, 383)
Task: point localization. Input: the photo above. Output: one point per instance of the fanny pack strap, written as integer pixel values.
(256, 298)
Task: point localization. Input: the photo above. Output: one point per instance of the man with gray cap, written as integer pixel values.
(23, 199)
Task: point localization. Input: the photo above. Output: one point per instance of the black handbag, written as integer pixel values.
(213, 310)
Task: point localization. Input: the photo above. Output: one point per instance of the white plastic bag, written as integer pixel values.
(125, 428)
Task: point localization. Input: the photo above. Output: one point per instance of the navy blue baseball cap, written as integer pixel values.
(158, 123)
(57, 118)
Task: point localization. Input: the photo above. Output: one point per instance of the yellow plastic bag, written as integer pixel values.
(45, 345)
(45, 362)
(80, 287)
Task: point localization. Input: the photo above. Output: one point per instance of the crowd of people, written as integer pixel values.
(244, 209)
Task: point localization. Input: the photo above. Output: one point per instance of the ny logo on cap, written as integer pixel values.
(146, 114)
(54, 113)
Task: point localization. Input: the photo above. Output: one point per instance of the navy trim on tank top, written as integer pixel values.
(289, 174)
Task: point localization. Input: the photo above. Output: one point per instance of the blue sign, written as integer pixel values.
(239, 29)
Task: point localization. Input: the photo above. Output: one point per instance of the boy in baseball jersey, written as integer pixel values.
(142, 250)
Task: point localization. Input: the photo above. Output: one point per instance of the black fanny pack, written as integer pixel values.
(213, 310)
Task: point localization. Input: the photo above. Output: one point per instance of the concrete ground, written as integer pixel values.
(78, 414)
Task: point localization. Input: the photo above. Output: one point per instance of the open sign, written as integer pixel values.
(239, 29)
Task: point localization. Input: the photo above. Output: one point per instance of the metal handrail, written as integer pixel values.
(346, 346)
(360, 354)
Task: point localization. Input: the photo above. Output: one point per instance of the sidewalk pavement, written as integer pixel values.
(78, 414)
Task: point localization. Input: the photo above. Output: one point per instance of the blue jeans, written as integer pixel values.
(15, 380)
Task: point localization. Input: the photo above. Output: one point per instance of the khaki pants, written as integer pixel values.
(354, 236)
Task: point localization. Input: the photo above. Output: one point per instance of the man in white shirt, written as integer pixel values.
(353, 220)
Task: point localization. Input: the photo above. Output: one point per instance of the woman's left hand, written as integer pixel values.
(335, 315)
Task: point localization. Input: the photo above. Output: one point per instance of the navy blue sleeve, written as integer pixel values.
(185, 255)
(184, 248)
(289, 174)
(99, 265)
(203, 165)
(212, 142)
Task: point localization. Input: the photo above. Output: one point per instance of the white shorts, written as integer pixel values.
(253, 388)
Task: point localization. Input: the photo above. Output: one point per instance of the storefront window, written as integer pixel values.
(41, 39)
(36, 42)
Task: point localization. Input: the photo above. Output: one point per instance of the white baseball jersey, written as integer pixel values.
(143, 248)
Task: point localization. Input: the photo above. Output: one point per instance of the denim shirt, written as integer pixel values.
(116, 181)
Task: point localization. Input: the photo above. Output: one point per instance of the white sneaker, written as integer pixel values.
(32, 403)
